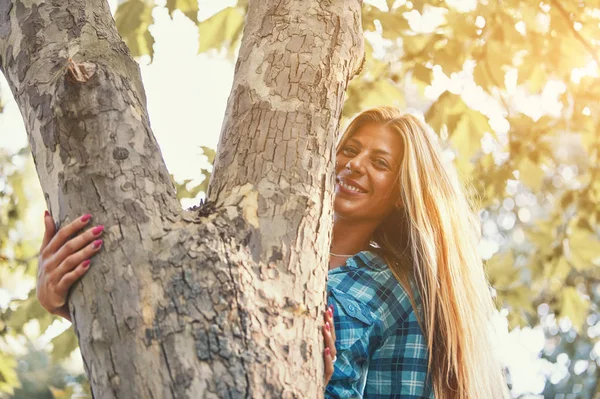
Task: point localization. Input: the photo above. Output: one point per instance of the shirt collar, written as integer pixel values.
(362, 259)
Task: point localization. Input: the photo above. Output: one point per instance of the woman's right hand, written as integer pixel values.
(63, 260)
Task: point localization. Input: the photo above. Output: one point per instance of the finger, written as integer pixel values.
(72, 261)
(328, 339)
(65, 232)
(328, 359)
(330, 319)
(50, 229)
(75, 244)
(65, 283)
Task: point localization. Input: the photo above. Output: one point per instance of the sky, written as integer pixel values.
(187, 95)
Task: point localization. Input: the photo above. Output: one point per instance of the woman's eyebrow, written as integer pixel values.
(377, 151)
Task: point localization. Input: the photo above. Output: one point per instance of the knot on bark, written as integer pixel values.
(80, 72)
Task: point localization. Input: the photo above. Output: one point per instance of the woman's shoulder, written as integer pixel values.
(367, 283)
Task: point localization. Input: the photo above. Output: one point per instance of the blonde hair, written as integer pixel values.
(432, 242)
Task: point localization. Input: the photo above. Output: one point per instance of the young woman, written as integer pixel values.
(412, 304)
(407, 292)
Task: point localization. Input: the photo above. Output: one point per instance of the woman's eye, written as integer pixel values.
(348, 150)
(381, 162)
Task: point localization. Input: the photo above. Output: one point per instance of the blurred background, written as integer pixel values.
(510, 87)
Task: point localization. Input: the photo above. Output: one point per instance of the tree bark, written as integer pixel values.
(224, 300)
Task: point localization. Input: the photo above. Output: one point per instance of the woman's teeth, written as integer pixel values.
(348, 187)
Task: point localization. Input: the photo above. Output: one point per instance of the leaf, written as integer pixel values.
(501, 270)
(467, 135)
(574, 305)
(531, 174)
(222, 29)
(584, 249)
(422, 73)
(63, 345)
(209, 153)
(28, 309)
(133, 18)
(189, 8)
(8, 375)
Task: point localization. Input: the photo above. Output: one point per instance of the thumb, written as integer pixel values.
(50, 230)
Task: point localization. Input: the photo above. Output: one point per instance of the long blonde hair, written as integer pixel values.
(432, 242)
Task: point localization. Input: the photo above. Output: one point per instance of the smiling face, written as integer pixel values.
(367, 167)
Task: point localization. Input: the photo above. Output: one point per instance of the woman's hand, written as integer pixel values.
(329, 336)
(63, 260)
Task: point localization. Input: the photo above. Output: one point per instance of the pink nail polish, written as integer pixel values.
(86, 264)
(86, 217)
(97, 230)
(46, 213)
(327, 326)
(97, 244)
(327, 351)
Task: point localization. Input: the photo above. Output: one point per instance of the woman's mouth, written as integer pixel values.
(347, 188)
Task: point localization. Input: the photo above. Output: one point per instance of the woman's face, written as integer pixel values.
(367, 168)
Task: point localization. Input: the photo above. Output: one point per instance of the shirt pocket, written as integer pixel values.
(353, 319)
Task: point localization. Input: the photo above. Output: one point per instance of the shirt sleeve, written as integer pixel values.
(398, 367)
(353, 329)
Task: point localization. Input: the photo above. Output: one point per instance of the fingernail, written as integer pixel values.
(327, 326)
(327, 351)
(97, 230)
(97, 244)
(46, 214)
(86, 217)
(330, 312)
(86, 264)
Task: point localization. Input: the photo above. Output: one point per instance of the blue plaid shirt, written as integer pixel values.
(381, 350)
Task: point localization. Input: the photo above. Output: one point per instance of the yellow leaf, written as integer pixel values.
(189, 8)
(584, 249)
(133, 18)
(531, 174)
(222, 29)
(574, 306)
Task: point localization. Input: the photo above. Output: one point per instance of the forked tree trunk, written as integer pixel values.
(224, 301)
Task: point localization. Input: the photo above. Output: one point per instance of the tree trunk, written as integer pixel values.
(225, 300)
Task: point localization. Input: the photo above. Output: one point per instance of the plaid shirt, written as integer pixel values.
(381, 350)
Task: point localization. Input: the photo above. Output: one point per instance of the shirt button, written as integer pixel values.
(351, 309)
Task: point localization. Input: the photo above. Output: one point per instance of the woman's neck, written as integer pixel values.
(350, 237)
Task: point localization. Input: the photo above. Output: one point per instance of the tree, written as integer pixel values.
(224, 300)
(534, 166)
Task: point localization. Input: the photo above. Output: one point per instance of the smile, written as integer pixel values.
(349, 187)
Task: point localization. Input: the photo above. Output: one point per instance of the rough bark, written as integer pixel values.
(225, 300)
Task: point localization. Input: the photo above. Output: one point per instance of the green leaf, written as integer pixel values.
(8, 375)
(63, 345)
(222, 29)
(209, 153)
(189, 8)
(501, 270)
(133, 18)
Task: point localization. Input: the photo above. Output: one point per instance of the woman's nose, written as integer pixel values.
(356, 163)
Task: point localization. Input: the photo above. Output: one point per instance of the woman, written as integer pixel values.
(412, 304)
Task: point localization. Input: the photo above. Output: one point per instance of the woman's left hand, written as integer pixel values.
(329, 335)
